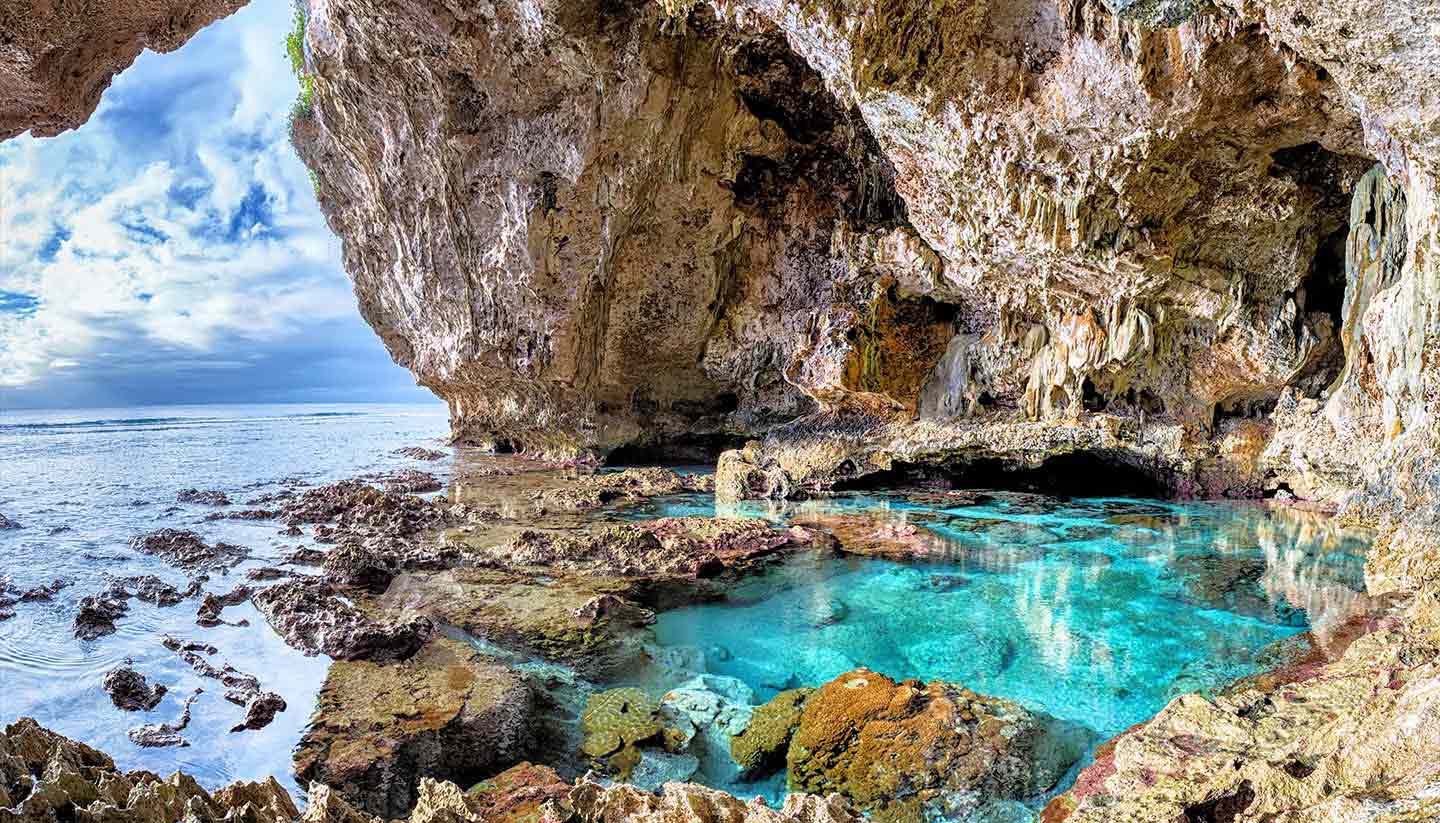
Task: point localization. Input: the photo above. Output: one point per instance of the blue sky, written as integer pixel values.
(171, 251)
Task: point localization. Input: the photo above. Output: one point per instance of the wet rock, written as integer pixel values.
(880, 535)
(260, 711)
(97, 615)
(244, 514)
(408, 481)
(265, 574)
(240, 688)
(312, 617)
(619, 488)
(129, 690)
(6, 523)
(355, 508)
(371, 565)
(906, 751)
(202, 497)
(44, 593)
(615, 724)
(588, 623)
(656, 768)
(164, 735)
(52, 779)
(760, 748)
(673, 547)
(419, 453)
(448, 712)
(212, 605)
(306, 557)
(177, 645)
(187, 550)
(702, 716)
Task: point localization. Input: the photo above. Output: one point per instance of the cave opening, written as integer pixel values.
(685, 450)
(1096, 473)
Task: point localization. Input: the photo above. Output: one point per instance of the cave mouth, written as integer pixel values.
(1097, 473)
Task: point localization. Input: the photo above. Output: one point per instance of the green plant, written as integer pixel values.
(295, 48)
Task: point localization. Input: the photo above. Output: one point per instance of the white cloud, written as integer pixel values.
(175, 230)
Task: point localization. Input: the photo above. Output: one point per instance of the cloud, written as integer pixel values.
(171, 249)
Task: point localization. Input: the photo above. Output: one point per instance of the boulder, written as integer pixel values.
(130, 691)
(312, 617)
(909, 751)
(760, 748)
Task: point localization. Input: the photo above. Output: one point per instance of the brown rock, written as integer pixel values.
(447, 713)
(312, 618)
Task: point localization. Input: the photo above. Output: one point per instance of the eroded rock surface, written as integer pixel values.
(130, 691)
(47, 778)
(446, 713)
(313, 618)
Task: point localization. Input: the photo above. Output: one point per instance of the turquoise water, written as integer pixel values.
(1098, 611)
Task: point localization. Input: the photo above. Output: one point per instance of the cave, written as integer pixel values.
(1075, 474)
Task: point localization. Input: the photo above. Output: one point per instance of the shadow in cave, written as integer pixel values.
(1077, 474)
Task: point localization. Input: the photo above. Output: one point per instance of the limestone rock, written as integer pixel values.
(130, 691)
(47, 778)
(187, 550)
(761, 746)
(60, 58)
(907, 751)
(448, 713)
(688, 803)
(312, 618)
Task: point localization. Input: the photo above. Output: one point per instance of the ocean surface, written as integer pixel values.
(1098, 611)
(82, 483)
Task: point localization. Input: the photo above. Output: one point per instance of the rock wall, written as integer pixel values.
(58, 58)
(589, 227)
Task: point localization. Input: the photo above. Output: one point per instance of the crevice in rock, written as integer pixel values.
(690, 449)
(894, 350)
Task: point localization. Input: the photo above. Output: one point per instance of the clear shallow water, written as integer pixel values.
(1098, 611)
(106, 475)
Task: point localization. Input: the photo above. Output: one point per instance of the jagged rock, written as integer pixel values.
(419, 453)
(408, 481)
(97, 615)
(312, 618)
(447, 712)
(260, 711)
(761, 746)
(187, 550)
(702, 716)
(212, 605)
(44, 593)
(129, 690)
(7, 524)
(46, 778)
(165, 735)
(907, 751)
(590, 802)
(881, 535)
(612, 488)
(371, 565)
(150, 589)
(673, 547)
(203, 497)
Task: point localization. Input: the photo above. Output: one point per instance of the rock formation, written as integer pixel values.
(60, 57)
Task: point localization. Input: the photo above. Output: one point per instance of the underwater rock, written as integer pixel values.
(203, 497)
(148, 588)
(614, 725)
(448, 712)
(656, 768)
(707, 711)
(48, 778)
(97, 615)
(588, 623)
(240, 688)
(165, 735)
(1232, 583)
(129, 690)
(619, 488)
(760, 748)
(187, 550)
(904, 751)
(312, 617)
(419, 453)
(880, 535)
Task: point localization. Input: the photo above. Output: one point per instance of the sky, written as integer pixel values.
(171, 250)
